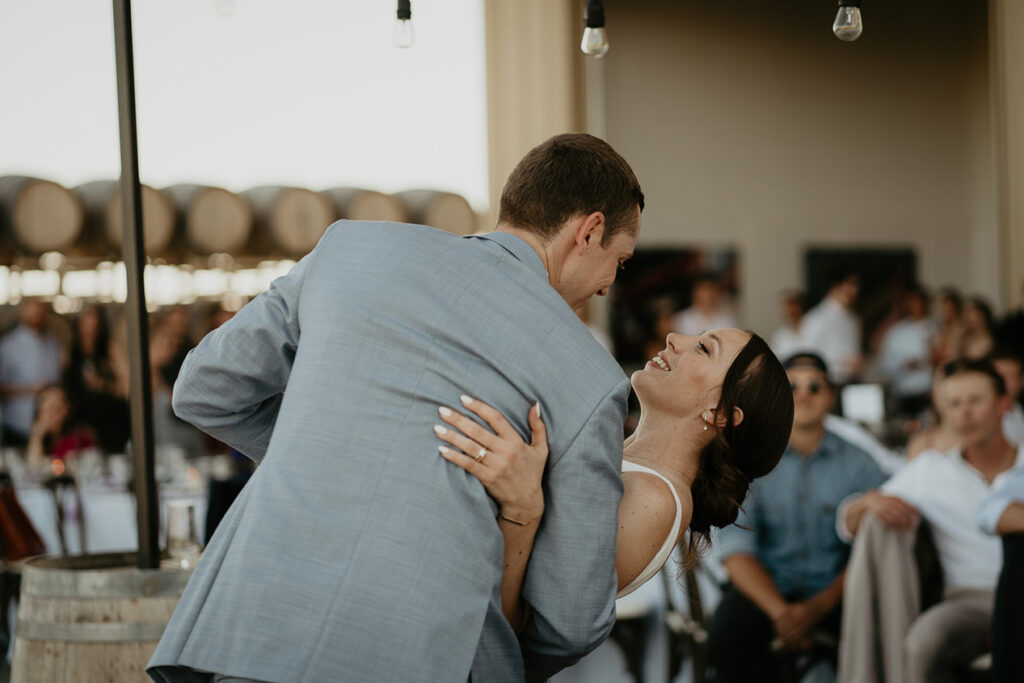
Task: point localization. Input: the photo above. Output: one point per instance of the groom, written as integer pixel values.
(356, 552)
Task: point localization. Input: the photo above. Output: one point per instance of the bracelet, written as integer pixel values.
(518, 522)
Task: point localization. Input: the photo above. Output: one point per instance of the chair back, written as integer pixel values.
(62, 488)
(18, 538)
(929, 571)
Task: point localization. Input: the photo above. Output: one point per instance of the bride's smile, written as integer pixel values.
(686, 377)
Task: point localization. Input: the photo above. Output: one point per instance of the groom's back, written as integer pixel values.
(356, 551)
(403, 316)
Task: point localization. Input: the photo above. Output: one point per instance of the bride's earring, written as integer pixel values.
(705, 417)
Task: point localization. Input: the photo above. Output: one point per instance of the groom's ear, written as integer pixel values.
(588, 230)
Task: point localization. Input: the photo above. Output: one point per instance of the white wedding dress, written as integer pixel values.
(670, 542)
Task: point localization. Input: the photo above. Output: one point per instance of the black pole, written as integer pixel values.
(135, 306)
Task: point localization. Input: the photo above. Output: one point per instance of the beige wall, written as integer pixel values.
(1007, 77)
(534, 81)
(750, 125)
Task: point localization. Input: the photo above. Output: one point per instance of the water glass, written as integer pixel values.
(182, 539)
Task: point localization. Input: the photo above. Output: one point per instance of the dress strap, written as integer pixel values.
(670, 543)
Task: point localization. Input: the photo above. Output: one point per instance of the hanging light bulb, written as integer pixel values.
(595, 39)
(848, 25)
(403, 26)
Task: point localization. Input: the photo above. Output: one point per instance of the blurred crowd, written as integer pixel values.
(64, 381)
(846, 505)
(912, 333)
(906, 350)
(887, 550)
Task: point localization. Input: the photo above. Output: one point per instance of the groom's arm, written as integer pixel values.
(570, 582)
(230, 386)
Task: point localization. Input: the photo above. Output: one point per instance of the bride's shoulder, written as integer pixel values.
(647, 516)
(654, 490)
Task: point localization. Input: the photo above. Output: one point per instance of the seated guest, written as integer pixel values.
(938, 436)
(786, 566)
(786, 340)
(832, 330)
(88, 368)
(950, 326)
(847, 429)
(172, 324)
(662, 316)
(885, 635)
(1009, 365)
(906, 353)
(29, 361)
(53, 433)
(1010, 330)
(706, 311)
(979, 328)
(1003, 513)
(165, 345)
(92, 384)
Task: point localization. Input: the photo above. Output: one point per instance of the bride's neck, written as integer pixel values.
(667, 447)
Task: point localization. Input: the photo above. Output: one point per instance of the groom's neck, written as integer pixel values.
(550, 250)
(538, 243)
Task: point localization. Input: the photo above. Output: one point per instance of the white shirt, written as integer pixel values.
(908, 341)
(948, 491)
(692, 322)
(833, 332)
(1013, 424)
(1008, 488)
(889, 461)
(26, 357)
(786, 341)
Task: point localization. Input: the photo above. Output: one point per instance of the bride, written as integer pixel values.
(716, 412)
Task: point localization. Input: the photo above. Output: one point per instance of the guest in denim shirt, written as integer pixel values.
(30, 361)
(786, 567)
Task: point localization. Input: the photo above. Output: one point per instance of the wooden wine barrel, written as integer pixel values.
(102, 200)
(288, 220)
(211, 220)
(443, 210)
(39, 215)
(366, 205)
(91, 618)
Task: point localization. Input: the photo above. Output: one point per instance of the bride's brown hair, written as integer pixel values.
(757, 384)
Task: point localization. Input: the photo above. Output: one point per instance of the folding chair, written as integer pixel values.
(62, 489)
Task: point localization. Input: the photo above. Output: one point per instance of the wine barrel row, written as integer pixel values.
(183, 222)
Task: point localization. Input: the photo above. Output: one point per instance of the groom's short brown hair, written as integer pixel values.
(566, 175)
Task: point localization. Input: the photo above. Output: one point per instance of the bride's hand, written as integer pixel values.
(509, 468)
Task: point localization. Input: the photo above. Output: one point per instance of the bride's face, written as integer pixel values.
(686, 378)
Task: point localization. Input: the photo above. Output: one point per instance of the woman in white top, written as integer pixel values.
(716, 412)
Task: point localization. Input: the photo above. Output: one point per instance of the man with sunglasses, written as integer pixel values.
(784, 558)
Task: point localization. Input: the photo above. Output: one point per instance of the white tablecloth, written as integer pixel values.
(110, 518)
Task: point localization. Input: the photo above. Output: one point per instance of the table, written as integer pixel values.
(110, 517)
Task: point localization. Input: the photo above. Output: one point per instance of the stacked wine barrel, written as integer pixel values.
(189, 223)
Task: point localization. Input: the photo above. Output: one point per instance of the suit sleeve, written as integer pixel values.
(230, 386)
(571, 582)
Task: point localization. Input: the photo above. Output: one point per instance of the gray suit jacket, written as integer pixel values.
(356, 552)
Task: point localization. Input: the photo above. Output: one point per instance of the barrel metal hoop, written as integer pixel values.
(90, 632)
(43, 581)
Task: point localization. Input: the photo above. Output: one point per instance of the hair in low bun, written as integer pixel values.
(717, 492)
(757, 384)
